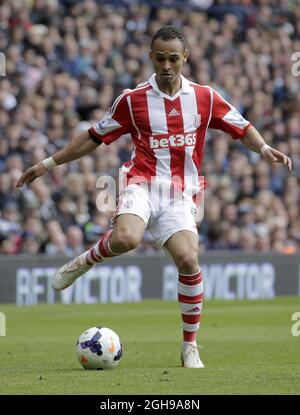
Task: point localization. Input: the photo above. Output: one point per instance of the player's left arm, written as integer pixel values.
(255, 142)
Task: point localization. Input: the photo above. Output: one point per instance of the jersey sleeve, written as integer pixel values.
(227, 118)
(116, 122)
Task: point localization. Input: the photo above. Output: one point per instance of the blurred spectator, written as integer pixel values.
(74, 241)
(30, 244)
(66, 62)
(57, 244)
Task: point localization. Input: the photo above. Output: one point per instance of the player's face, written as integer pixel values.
(168, 56)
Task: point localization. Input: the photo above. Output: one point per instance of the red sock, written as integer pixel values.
(190, 293)
(100, 251)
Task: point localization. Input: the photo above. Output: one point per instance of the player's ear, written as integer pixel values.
(150, 54)
(185, 55)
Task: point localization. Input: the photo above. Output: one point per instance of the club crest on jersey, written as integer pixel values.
(197, 120)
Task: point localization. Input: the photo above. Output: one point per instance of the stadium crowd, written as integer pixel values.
(66, 61)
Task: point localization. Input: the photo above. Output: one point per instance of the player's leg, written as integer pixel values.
(183, 247)
(132, 217)
(175, 229)
(126, 234)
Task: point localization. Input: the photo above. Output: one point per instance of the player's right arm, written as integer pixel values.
(116, 122)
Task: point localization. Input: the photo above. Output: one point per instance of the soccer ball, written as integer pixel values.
(99, 348)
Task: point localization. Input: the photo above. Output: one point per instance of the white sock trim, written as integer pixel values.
(190, 275)
(190, 290)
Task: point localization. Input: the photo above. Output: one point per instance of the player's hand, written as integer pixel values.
(31, 174)
(271, 154)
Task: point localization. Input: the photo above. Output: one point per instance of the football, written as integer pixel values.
(99, 348)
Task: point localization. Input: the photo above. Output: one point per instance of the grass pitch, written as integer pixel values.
(246, 346)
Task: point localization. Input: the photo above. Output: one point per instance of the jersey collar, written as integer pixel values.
(185, 87)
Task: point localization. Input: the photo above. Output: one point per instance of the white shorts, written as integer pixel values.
(161, 219)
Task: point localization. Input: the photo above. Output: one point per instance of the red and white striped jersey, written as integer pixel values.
(168, 132)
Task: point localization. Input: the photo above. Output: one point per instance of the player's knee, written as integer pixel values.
(124, 240)
(188, 263)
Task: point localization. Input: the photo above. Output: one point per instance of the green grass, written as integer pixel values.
(246, 346)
